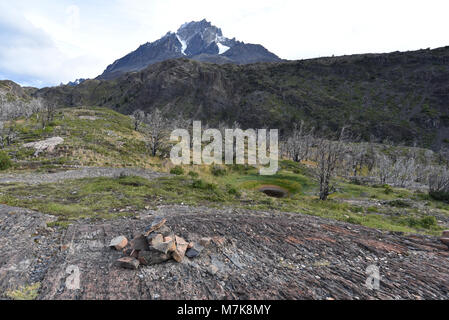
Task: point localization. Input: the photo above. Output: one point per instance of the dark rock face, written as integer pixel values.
(196, 40)
(401, 96)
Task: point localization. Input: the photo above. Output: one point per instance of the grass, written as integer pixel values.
(106, 198)
(24, 293)
(109, 140)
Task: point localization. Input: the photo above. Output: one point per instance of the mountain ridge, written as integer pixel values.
(197, 40)
(398, 96)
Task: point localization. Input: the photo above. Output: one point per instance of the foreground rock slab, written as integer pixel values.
(253, 255)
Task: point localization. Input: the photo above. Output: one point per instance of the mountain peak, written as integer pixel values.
(197, 40)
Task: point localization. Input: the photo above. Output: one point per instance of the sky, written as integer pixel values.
(46, 42)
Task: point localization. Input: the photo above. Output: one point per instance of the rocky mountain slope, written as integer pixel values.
(402, 96)
(197, 40)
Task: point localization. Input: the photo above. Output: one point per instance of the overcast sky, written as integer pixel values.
(46, 42)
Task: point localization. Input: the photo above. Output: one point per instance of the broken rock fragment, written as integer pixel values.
(165, 247)
(128, 263)
(181, 248)
(155, 225)
(155, 238)
(152, 256)
(205, 242)
(139, 243)
(194, 251)
(119, 243)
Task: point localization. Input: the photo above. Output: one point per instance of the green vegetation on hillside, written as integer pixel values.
(92, 137)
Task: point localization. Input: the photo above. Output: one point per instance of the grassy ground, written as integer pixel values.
(237, 187)
(102, 137)
(93, 137)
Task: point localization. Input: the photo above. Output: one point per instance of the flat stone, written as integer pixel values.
(128, 263)
(119, 243)
(157, 223)
(205, 242)
(166, 231)
(445, 234)
(155, 238)
(194, 251)
(152, 256)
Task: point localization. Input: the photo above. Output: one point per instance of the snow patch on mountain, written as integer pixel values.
(222, 48)
(183, 43)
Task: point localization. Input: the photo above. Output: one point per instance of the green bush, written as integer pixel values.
(5, 161)
(428, 222)
(399, 203)
(193, 174)
(233, 191)
(218, 171)
(439, 195)
(178, 170)
(388, 189)
(200, 184)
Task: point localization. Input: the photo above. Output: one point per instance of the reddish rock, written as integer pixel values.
(181, 248)
(119, 243)
(128, 263)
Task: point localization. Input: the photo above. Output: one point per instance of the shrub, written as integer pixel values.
(193, 174)
(427, 222)
(218, 171)
(399, 203)
(200, 184)
(233, 191)
(178, 170)
(388, 189)
(5, 161)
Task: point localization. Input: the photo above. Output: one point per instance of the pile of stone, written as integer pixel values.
(156, 245)
(445, 238)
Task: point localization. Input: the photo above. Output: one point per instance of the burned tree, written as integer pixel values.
(138, 117)
(298, 145)
(439, 184)
(329, 154)
(156, 129)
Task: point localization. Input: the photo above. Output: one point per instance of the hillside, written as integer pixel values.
(402, 96)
